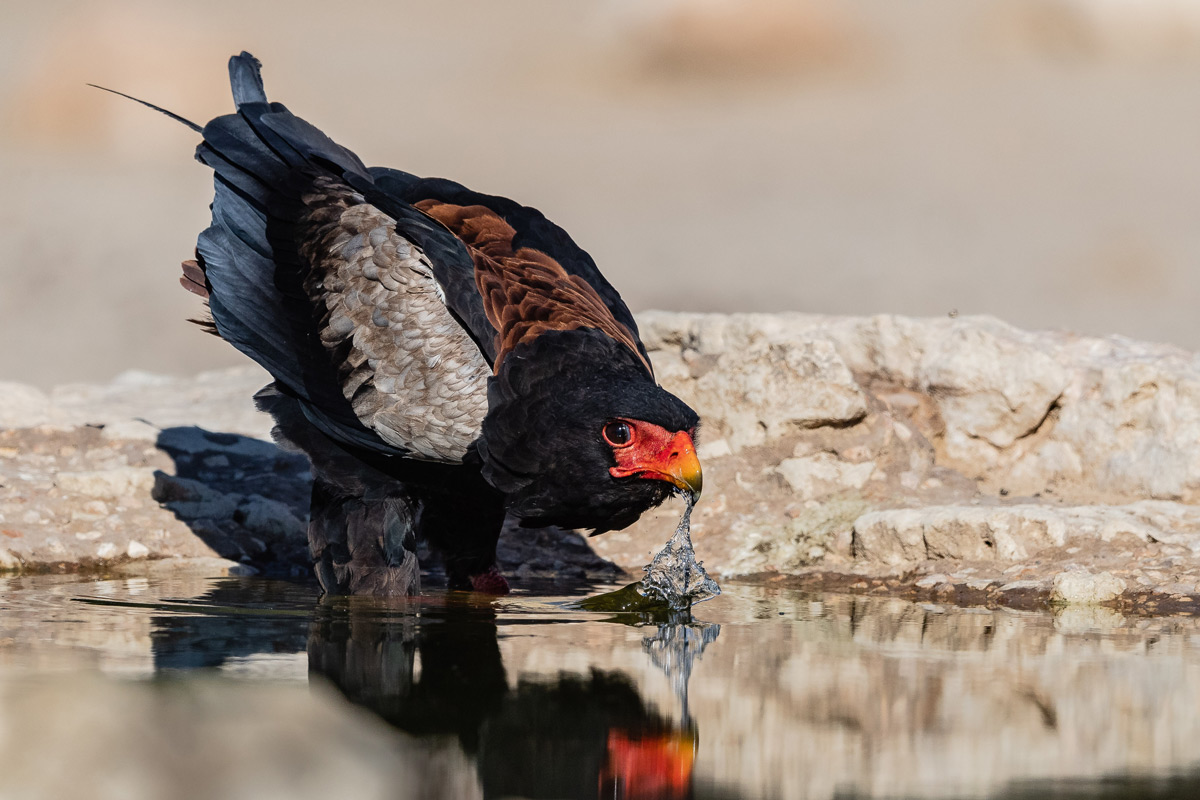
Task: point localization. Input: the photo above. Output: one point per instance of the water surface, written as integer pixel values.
(764, 693)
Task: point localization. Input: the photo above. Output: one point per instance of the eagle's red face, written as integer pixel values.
(579, 435)
(646, 450)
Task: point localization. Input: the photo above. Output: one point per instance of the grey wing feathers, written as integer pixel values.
(410, 371)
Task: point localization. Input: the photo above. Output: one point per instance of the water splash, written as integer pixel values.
(675, 576)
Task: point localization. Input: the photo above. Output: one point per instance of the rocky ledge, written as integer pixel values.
(946, 458)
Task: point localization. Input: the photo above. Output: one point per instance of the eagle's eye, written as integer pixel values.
(618, 433)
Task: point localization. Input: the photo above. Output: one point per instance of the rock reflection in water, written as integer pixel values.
(802, 695)
(572, 735)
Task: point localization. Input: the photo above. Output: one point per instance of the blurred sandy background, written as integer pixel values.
(1034, 159)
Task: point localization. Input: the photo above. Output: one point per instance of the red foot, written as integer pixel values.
(490, 582)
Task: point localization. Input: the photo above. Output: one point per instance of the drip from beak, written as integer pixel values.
(675, 463)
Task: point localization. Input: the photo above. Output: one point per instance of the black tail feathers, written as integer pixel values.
(159, 109)
(245, 78)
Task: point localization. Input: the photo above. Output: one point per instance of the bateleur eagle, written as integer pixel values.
(443, 357)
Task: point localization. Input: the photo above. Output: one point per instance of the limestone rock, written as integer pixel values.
(753, 382)
(8, 561)
(898, 536)
(138, 402)
(991, 384)
(109, 483)
(1093, 439)
(824, 473)
(1107, 419)
(1079, 586)
(130, 430)
(869, 445)
(812, 535)
(24, 406)
(992, 533)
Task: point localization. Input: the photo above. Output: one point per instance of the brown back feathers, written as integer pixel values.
(525, 292)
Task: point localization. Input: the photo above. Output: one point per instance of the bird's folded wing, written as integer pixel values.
(409, 370)
(333, 295)
(529, 275)
(525, 292)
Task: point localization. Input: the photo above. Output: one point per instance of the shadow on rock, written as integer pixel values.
(245, 498)
(248, 500)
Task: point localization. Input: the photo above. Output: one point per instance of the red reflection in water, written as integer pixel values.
(648, 766)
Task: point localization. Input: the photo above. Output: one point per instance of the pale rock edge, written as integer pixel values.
(880, 446)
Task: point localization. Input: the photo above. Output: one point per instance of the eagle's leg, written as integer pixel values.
(364, 544)
(362, 522)
(463, 525)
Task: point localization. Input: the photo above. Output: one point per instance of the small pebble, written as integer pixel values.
(97, 507)
(1014, 585)
(929, 581)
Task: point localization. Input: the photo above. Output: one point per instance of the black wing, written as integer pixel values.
(307, 275)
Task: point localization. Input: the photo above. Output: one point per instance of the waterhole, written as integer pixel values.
(762, 692)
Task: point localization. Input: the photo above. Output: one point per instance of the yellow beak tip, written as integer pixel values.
(692, 483)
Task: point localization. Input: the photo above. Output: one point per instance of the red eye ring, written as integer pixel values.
(618, 433)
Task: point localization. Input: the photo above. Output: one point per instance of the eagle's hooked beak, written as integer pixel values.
(679, 464)
(675, 463)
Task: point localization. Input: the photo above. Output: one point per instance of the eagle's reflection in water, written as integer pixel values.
(432, 667)
(442, 674)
